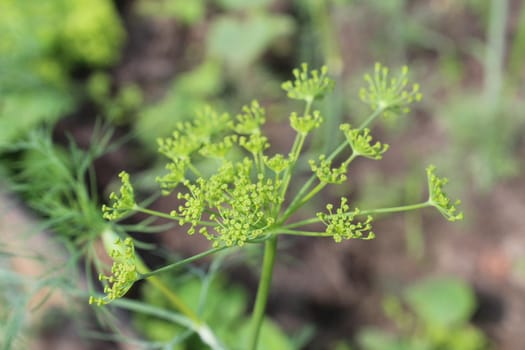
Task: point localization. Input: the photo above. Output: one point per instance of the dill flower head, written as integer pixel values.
(308, 85)
(123, 272)
(392, 96)
(439, 198)
(121, 204)
(342, 224)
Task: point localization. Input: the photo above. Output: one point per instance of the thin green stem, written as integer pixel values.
(303, 233)
(308, 107)
(155, 213)
(169, 216)
(181, 262)
(495, 51)
(294, 153)
(307, 197)
(148, 309)
(364, 212)
(371, 118)
(408, 207)
(270, 250)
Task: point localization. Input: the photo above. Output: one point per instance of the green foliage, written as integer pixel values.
(117, 108)
(33, 86)
(41, 42)
(90, 33)
(52, 181)
(438, 318)
(223, 306)
(187, 93)
(443, 302)
(486, 153)
(243, 5)
(239, 42)
(188, 12)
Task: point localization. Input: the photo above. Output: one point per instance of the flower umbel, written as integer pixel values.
(360, 141)
(308, 87)
(176, 174)
(250, 121)
(306, 123)
(390, 95)
(342, 224)
(439, 199)
(123, 204)
(123, 272)
(325, 173)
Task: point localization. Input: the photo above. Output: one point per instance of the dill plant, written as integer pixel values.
(247, 198)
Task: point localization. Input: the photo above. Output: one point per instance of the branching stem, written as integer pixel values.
(169, 216)
(362, 212)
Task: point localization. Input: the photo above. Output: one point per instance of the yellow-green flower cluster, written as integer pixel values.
(277, 163)
(360, 141)
(342, 224)
(255, 143)
(392, 96)
(307, 123)
(189, 137)
(123, 273)
(251, 120)
(176, 174)
(240, 206)
(308, 85)
(219, 149)
(120, 204)
(439, 199)
(326, 173)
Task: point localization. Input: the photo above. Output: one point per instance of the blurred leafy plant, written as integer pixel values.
(52, 179)
(118, 108)
(42, 42)
(188, 12)
(188, 92)
(438, 317)
(490, 147)
(222, 305)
